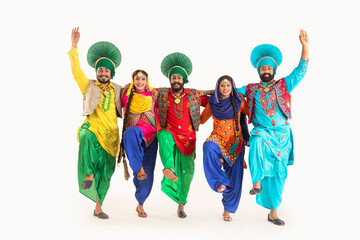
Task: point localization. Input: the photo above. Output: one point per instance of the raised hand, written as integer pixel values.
(305, 45)
(304, 38)
(75, 37)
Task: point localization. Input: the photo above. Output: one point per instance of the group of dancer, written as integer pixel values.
(168, 119)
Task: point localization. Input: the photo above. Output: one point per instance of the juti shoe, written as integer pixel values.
(276, 221)
(255, 191)
(181, 214)
(101, 215)
(86, 184)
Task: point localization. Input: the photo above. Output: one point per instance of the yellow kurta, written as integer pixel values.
(102, 123)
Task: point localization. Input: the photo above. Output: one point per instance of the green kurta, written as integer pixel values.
(183, 166)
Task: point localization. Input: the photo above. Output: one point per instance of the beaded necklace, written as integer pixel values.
(177, 101)
(106, 93)
(267, 88)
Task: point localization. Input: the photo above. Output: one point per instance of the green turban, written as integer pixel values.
(176, 63)
(104, 54)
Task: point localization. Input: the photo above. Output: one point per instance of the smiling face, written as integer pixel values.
(266, 73)
(103, 75)
(225, 88)
(140, 82)
(177, 82)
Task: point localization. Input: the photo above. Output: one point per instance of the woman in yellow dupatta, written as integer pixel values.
(139, 136)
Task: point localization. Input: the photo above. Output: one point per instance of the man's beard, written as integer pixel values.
(103, 82)
(266, 77)
(179, 87)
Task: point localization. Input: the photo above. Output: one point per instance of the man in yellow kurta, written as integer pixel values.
(99, 134)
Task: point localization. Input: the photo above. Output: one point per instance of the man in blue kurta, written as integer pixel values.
(271, 140)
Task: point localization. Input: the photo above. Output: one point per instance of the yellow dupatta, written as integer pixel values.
(139, 102)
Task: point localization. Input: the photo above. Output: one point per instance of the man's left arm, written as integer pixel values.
(295, 77)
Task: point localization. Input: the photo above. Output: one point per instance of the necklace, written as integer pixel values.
(107, 94)
(267, 88)
(177, 101)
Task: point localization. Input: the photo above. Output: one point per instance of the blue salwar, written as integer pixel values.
(140, 156)
(218, 173)
(271, 144)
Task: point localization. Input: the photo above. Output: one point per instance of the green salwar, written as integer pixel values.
(93, 159)
(183, 166)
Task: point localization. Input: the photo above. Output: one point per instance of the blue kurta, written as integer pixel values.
(271, 142)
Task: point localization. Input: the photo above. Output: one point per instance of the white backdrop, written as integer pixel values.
(41, 108)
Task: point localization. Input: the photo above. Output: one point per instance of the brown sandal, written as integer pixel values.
(141, 176)
(141, 214)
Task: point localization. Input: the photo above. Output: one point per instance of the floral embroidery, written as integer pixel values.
(190, 128)
(270, 109)
(106, 133)
(273, 122)
(229, 157)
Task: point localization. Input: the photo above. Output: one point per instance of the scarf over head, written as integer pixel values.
(141, 101)
(222, 108)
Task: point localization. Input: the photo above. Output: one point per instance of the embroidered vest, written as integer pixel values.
(134, 118)
(92, 98)
(194, 107)
(282, 96)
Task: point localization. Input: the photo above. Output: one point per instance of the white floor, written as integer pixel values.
(59, 216)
